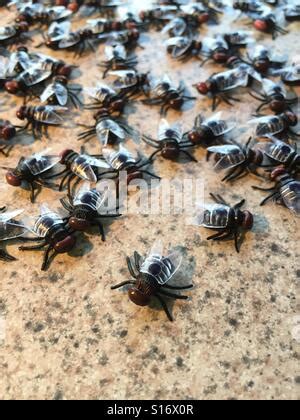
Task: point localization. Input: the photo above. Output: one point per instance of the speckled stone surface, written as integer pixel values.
(69, 336)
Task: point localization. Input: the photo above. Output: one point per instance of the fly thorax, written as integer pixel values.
(146, 284)
(83, 212)
(255, 156)
(239, 217)
(88, 201)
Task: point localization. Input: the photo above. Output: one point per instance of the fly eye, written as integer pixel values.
(220, 57)
(203, 18)
(64, 155)
(13, 179)
(261, 66)
(176, 103)
(78, 224)
(202, 88)
(65, 245)
(73, 7)
(65, 71)
(277, 172)
(12, 86)
(277, 106)
(137, 297)
(8, 132)
(21, 113)
(195, 137)
(248, 220)
(292, 118)
(261, 25)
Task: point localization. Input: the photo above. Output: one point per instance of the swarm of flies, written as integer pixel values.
(10, 229)
(230, 222)
(164, 92)
(170, 142)
(86, 209)
(151, 277)
(274, 96)
(36, 171)
(238, 160)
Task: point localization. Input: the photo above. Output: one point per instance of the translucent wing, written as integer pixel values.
(289, 74)
(89, 197)
(124, 78)
(82, 167)
(210, 44)
(240, 38)
(34, 75)
(177, 26)
(269, 125)
(98, 26)
(173, 131)
(9, 227)
(70, 40)
(58, 13)
(165, 80)
(231, 79)
(218, 126)
(46, 221)
(58, 31)
(116, 159)
(108, 127)
(162, 269)
(180, 45)
(230, 156)
(41, 162)
(20, 58)
(115, 52)
(212, 216)
(50, 114)
(7, 32)
(271, 87)
(258, 51)
(98, 163)
(58, 90)
(5, 217)
(100, 91)
(291, 196)
(277, 150)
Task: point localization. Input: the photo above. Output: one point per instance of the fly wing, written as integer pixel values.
(289, 74)
(178, 26)
(115, 52)
(70, 40)
(58, 12)
(55, 89)
(7, 216)
(58, 31)
(277, 150)
(173, 131)
(98, 163)
(41, 162)
(124, 78)
(230, 156)
(34, 75)
(50, 114)
(291, 196)
(100, 90)
(7, 32)
(210, 44)
(158, 267)
(231, 79)
(269, 125)
(218, 126)
(98, 26)
(18, 58)
(180, 45)
(11, 230)
(211, 216)
(107, 127)
(270, 87)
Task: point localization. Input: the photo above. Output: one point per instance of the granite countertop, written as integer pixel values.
(68, 336)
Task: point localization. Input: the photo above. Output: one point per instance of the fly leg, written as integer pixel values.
(172, 295)
(218, 199)
(137, 261)
(101, 229)
(217, 235)
(189, 156)
(4, 256)
(131, 268)
(153, 155)
(46, 259)
(124, 283)
(165, 307)
(33, 247)
(240, 204)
